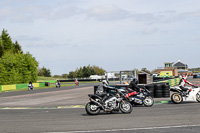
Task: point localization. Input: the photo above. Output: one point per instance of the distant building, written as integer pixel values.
(174, 69)
(144, 78)
(180, 65)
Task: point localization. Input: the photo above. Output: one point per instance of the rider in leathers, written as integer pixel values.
(133, 87)
(102, 90)
(183, 82)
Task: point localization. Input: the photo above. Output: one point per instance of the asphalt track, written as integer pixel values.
(161, 118)
(46, 111)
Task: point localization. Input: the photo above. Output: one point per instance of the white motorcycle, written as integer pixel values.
(181, 95)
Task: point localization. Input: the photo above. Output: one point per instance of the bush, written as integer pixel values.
(17, 68)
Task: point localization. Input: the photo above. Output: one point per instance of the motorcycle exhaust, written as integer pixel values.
(96, 102)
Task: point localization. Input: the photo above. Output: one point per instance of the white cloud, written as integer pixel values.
(65, 13)
(108, 12)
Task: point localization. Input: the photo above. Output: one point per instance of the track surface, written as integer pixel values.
(161, 118)
(51, 97)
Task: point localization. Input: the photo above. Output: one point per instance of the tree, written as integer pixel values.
(98, 70)
(17, 68)
(17, 47)
(86, 71)
(44, 72)
(145, 70)
(79, 72)
(1, 48)
(72, 74)
(6, 40)
(64, 75)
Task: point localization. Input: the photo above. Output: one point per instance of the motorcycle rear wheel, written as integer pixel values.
(92, 109)
(125, 107)
(176, 98)
(198, 96)
(148, 101)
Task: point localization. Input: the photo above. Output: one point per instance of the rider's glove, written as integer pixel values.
(195, 86)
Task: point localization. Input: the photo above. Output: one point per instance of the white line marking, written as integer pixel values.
(130, 129)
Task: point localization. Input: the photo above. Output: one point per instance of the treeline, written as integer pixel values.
(194, 70)
(15, 66)
(44, 72)
(85, 72)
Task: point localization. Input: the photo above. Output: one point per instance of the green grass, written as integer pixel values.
(48, 78)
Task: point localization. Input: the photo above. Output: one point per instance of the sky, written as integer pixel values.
(116, 35)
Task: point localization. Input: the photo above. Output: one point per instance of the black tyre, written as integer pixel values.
(176, 98)
(92, 109)
(158, 95)
(157, 87)
(165, 91)
(148, 101)
(150, 87)
(198, 96)
(125, 107)
(158, 90)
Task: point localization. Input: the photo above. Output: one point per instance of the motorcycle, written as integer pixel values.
(142, 98)
(114, 102)
(57, 84)
(182, 95)
(30, 87)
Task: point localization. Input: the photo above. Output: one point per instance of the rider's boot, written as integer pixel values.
(188, 92)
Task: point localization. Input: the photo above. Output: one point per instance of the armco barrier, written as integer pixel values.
(18, 86)
(21, 86)
(8, 87)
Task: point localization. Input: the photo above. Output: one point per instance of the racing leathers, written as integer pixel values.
(102, 90)
(182, 84)
(133, 89)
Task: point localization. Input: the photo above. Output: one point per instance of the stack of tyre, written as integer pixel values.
(157, 90)
(165, 90)
(161, 90)
(150, 87)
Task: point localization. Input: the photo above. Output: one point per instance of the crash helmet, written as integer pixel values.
(135, 81)
(105, 82)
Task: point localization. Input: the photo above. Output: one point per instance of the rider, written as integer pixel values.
(58, 82)
(102, 89)
(133, 87)
(30, 85)
(182, 83)
(76, 82)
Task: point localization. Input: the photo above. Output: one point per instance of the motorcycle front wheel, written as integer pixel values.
(125, 107)
(92, 109)
(176, 98)
(148, 101)
(198, 96)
